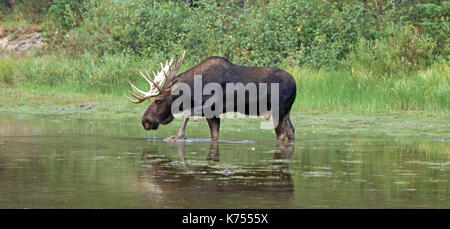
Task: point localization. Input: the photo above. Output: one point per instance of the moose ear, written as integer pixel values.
(171, 84)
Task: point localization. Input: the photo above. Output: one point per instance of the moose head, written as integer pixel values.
(159, 111)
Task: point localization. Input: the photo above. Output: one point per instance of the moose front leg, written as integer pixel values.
(214, 126)
(180, 136)
(183, 126)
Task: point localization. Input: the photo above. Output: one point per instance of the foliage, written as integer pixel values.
(371, 55)
(401, 50)
(268, 33)
(431, 17)
(301, 32)
(67, 14)
(32, 11)
(6, 71)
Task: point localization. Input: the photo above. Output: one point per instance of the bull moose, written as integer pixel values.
(222, 72)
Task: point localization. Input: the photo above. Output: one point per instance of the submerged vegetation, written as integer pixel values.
(364, 56)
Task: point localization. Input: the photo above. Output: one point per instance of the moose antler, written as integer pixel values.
(167, 74)
(173, 71)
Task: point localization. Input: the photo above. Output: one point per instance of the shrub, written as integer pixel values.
(32, 11)
(402, 49)
(334, 31)
(320, 34)
(67, 14)
(6, 70)
(430, 17)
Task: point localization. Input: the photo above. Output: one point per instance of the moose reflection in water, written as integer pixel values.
(195, 181)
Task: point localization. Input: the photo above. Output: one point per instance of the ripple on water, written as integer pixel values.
(101, 158)
(317, 174)
(201, 140)
(429, 163)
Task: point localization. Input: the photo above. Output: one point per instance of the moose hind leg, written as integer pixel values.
(280, 129)
(289, 128)
(214, 126)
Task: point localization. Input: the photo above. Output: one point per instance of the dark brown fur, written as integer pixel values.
(220, 70)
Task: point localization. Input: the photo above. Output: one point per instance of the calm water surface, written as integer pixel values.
(61, 162)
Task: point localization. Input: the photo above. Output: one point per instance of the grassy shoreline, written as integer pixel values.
(58, 104)
(343, 90)
(46, 100)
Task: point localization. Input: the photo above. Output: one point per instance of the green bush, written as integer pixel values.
(7, 75)
(32, 11)
(320, 34)
(401, 50)
(67, 14)
(332, 31)
(265, 33)
(431, 17)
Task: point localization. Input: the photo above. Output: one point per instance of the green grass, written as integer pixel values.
(317, 90)
(347, 90)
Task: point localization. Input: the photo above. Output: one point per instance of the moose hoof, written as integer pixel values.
(175, 139)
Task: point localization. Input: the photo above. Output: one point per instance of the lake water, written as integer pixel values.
(65, 162)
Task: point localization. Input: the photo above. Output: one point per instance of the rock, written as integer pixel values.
(3, 42)
(87, 106)
(227, 172)
(23, 43)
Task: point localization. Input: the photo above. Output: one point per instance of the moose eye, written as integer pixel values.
(158, 101)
